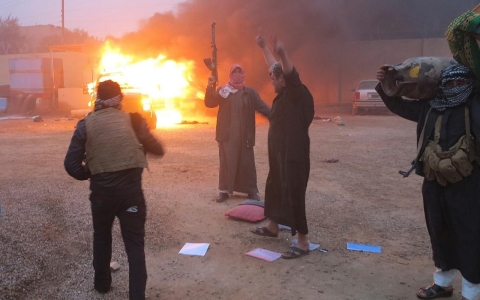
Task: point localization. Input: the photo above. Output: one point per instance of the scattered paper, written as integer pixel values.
(364, 248)
(114, 266)
(198, 249)
(264, 254)
(284, 227)
(311, 247)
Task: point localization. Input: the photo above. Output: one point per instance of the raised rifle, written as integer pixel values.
(212, 63)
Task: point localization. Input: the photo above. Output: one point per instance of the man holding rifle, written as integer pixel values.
(235, 133)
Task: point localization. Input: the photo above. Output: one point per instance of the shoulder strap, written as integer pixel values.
(420, 145)
(421, 141)
(438, 126)
(467, 125)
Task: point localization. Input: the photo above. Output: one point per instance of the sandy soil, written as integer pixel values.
(46, 235)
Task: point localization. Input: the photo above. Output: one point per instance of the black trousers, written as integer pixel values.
(131, 212)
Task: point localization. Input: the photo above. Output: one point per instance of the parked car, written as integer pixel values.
(366, 98)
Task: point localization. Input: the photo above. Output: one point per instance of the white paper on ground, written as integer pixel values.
(198, 249)
(312, 245)
(264, 254)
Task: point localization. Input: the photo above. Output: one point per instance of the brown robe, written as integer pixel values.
(235, 134)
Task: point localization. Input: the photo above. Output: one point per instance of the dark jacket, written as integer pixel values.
(252, 103)
(451, 211)
(120, 182)
(415, 110)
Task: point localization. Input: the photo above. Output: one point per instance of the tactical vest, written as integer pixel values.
(111, 142)
(452, 165)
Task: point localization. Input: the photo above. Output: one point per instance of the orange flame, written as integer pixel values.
(166, 82)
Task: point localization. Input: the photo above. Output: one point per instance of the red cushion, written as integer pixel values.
(251, 213)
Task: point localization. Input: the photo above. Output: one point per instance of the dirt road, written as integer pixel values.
(46, 234)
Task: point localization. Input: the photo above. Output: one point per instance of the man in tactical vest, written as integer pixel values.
(108, 147)
(448, 131)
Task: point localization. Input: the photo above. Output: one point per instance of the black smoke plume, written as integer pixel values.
(312, 30)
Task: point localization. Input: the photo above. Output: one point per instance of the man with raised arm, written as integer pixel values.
(288, 150)
(235, 133)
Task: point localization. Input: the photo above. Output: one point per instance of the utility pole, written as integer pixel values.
(63, 21)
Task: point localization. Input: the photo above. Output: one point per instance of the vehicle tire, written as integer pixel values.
(28, 105)
(42, 105)
(16, 104)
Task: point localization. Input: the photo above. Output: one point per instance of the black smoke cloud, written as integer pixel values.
(313, 32)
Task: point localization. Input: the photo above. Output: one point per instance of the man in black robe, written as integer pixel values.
(452, 209)
(235, 133)
(288, 150)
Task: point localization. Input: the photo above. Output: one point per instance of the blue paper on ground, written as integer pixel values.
(364, 248)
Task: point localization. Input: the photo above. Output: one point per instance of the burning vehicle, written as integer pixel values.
(134, 100)
(160, 89)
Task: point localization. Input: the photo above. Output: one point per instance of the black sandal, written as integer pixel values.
(263, 231)
(295, 252)
(434, 291)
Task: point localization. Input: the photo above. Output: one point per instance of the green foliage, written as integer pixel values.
(11, 39)
(76, 36)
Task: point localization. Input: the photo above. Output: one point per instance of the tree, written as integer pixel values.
(75, 36)
(11, 39)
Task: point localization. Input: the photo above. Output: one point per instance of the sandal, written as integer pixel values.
(263, 231)
(434, 291)
(294, 252)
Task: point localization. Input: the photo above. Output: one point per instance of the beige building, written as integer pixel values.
(76, 70)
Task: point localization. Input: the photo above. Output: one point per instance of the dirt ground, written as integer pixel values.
(46, 234)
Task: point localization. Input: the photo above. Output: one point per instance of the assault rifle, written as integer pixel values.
(212, 63)
(405, 174)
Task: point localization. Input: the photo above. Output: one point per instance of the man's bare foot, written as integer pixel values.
(303, 246)
(272, 227)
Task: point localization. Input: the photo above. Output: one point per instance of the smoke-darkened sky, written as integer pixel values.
(310, 29)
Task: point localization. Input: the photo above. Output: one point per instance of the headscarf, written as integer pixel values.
(114, 102)
(456, 95)
(462, 43)
(236, 82)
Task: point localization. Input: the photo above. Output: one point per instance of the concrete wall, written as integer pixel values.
(365, 58)
(76, 73)
(72, 98)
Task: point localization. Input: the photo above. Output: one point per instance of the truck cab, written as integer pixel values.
(134, 100)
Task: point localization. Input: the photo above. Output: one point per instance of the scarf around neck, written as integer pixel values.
(112, 102)
(456, 95)
(236, 82)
